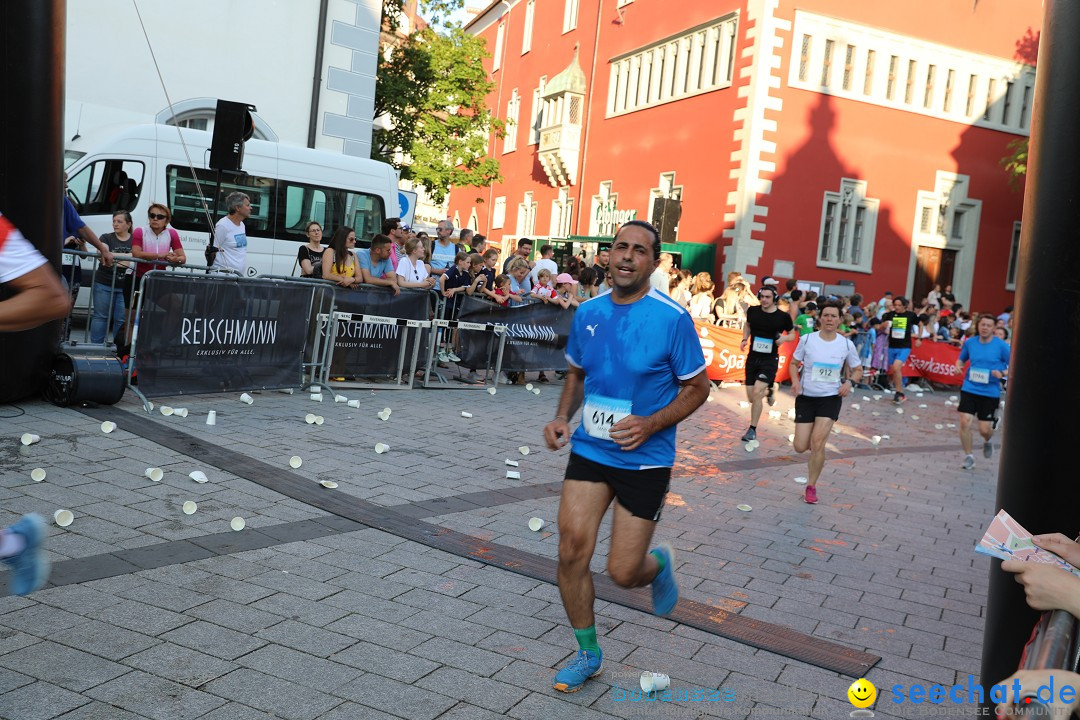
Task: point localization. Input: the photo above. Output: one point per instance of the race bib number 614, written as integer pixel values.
(601, 413)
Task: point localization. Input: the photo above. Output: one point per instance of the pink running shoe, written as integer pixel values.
(811, 494)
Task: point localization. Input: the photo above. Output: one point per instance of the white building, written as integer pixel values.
(260, 52)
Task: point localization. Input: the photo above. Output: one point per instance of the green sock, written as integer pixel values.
(586, 639)
(659, 561)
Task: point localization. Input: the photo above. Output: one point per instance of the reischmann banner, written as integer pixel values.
(535, 338)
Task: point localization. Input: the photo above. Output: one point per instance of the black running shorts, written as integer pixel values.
(761, 368)
(807, 408)
(981, 406)
(641, 492)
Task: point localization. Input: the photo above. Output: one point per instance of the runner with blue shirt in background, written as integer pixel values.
(981, 391)
(637, 369)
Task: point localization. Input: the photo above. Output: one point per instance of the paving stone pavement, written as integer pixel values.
(325, 618)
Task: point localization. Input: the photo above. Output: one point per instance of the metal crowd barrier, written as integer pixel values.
(402, 380)
(446, 327)
(327, 298)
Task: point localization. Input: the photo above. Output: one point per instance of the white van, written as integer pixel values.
(129, 167)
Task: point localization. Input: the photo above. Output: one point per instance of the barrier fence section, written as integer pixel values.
(218, 333)
(536, 334)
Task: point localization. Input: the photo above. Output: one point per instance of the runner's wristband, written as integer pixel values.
(562, 417)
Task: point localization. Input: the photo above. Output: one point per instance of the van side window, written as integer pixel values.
(300, 203)
(105, 186)
(187, 209)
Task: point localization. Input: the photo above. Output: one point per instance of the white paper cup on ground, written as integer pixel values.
(492, 391)
(512, 463)
(328, 484)
(914, 417)
(287, 391)
(310, 418)
(466, 414)
(536, 391)
(340, 399)
(875, 439)
(354, 403)
(800, 480)
(877, 397)
(953, 398)
(939, 426)
(535, 524)
(791, 413)
(211, 417)
(743, 507)
(319, 419)
(166, 410)
(524, 449)
(744, 404)
(29, 439)
(855, 406)
(899, 411)
(246, 399)
(791, 438)
(513, 474)
(237, 524)
(189, 507)
(108, 426)
(750, 447)
(381, 448)
(154, 474)
(317, 397)
(63, 518)
(529, 387)
(37, 474)
(922, 405)
(180, 412)
(295, 461)
(651, 681)
(198, 476)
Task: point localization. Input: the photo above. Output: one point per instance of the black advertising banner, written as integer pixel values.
(535, 338)
(211, 333)
(372, 349)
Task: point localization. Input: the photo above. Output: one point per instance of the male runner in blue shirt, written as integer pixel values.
(637, 369)
(981, 391)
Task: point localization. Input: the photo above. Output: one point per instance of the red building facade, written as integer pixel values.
(853, 143)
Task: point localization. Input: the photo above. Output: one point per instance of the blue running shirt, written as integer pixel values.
(984, 358)
(634, 357)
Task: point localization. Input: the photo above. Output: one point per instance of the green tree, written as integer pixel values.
(1015, 163)
(432, 87)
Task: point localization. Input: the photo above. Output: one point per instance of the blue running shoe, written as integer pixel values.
(665, 593)
(572, 677)
(30, 568)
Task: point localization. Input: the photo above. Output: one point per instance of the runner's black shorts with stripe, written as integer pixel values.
(761, 368)
(808, 408)
(642, 492)
(983, 407)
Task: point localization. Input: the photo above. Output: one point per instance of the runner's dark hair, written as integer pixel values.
(832, 304)
(647, 226)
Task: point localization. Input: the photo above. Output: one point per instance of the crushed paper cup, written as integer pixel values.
(189, 507)
(953, 398)
(310, 418)
(328, 484)
(836, 431)
(37, 474)
(154, 474)
(950, 425)
(513, 475)
(914, 417)
(536, 391)
(884, 437)
(166, 410)
(529, 387)
(108, 426)
(875, 413)
(899, 411)
(151, 405)
(801, 480)
(922, 405)
(381, 448)
(237, 523)
(877, 397)
(180, 412)
(656, 682)
(198, 476)
(246, 399)
(466, 414)
(287, 391)
(875, 439)
(535, 524)
(295, 461)
(29, 438)
(512, 463)
(744, 404)
(866, 398)
(524, 449)
(947, 403)
(340, 399)
(791, 438)
(211, 417)
(939, 426)
(750, 446)
(319, 420)
(744, 507)
(354, 403)
(317, 397)
(63, 518)
(774, 414)
(492, 391)
(855, 406)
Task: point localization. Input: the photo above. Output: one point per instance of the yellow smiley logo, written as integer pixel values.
(862, 693)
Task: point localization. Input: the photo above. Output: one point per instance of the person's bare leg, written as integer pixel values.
(630, 563)
(966, 420)
(756, 394)
(818, 438)
(581, 508)
(986, 429)
(801, 443)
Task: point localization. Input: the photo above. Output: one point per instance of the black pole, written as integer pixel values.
(316, 80)
(1037, 483)
(31, 164)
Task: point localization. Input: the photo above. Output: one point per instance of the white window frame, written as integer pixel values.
(1014, 258)
(536, 120)
(513, 108)
(500, 40)
(530, 17)
(498, 213)
(570, 15)
(846, 205)
(562, 213)
(696, 61)
(526, 219)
